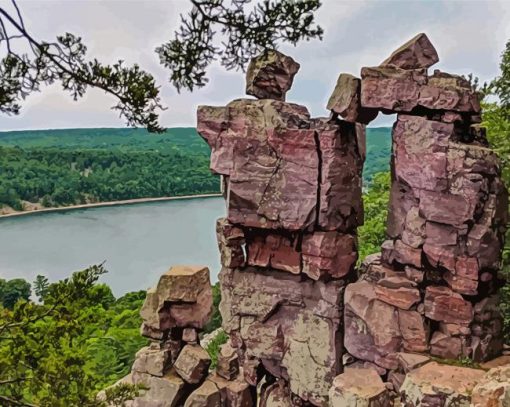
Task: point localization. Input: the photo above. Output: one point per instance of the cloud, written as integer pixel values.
(469, 37)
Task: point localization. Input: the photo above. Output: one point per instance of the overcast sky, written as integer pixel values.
(468, 35)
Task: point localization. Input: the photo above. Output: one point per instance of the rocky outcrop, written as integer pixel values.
(493, 390)
(447, 217)
(288, 242)
(290, 302)
(306, 329)
(359, 387)
(440, 385)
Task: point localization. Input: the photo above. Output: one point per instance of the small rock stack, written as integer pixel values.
(434, 287)
(288, 244)
(174, 368)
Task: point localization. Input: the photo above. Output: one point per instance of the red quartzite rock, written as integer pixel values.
(416, 53)
(328, 253)
(273, 250)
(207, 395)
(182, 298)
(228, 362)
(292, 326)
(345, 101)
(270, 156)
(275, 395)
(439, 385)
(270, 75)
(372, 331)
(359, 387)
(389, 88)
(230, 243)
(442, 304)
(420, 152)
(341, 155)
(192, 363)
(392, 89)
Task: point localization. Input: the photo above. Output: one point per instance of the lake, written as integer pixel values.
(138, 242)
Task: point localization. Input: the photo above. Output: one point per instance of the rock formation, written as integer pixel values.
(290, 302)
(305, 327)
(174, 369)
(435, 283)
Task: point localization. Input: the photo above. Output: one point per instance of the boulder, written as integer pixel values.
(207, 395)
(416, 53)
(445, 346)
(442, 304)
(153, 360)
(182, 298)
(372, 331)
(410, 361)
(420, 153)
(270, 75)
(166, 391)
(275, 395)
(190, 335)
(192, 364)
(228, 362)
(401, 297)
(445, 91)
(392, 89)
(389, 88)
(440, 385)
(358, 387)
(345, 101)
(493, 390)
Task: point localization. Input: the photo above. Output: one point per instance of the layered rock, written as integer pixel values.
(359, 387)
(174, 369)
(447, 218)
(440, 385)
(288, 243)
(270, 75)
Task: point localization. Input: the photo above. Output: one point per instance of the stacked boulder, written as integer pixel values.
(174, 369)
(434, 287)
(288, 243)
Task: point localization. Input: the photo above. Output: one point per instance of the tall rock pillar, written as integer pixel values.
(288, 243)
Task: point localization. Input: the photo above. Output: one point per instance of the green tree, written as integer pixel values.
(43, 347)
(14, 290)
(375, 201)
(496, 118)
(245, 31)
(41, 286)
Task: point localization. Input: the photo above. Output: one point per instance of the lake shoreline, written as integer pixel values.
(107, 204)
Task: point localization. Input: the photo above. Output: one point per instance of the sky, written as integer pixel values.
(469, 36)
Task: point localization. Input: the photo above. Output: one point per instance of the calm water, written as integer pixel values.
(139, 242)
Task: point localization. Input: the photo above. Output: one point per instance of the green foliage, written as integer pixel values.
(501, 85)
(59, 168)
(213, 347)
(497, 120)
(61, 352)
(375, 201)
(215, 321)
(41, 285)
(12, 291)
(245, 31)
(378, 152)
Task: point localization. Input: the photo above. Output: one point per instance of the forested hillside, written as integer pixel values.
(77, 166)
